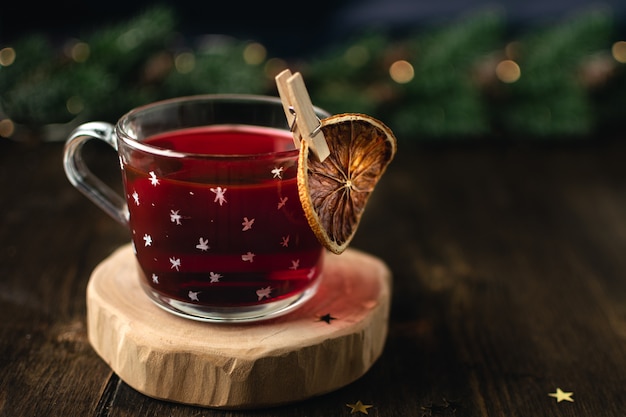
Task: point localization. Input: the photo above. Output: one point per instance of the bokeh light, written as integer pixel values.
(7, 56)
(508, 71)
(619, 51)
(7, 128)
(185, 62)
(80, 51)
(74, 105)
(356, 56)
(274, 66)
(254, 53)
(401, 71)
(129, 39)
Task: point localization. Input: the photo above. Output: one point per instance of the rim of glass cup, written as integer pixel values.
(139, 145)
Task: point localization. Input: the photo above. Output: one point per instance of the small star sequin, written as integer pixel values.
(359, 407)
(562, 396)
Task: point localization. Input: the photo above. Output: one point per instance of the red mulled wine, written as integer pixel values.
(222, 227)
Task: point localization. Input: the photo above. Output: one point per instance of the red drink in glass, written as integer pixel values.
(211, 203)
(222, 229)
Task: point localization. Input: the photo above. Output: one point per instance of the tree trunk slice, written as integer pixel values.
(327, 343)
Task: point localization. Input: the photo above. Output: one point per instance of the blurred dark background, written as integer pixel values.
(288, 28)
(433, 70)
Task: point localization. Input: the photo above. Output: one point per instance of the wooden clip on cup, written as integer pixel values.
(305, 125)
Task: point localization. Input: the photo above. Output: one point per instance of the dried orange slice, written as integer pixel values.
(334, 192)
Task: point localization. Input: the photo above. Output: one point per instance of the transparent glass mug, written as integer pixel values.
(211, 203)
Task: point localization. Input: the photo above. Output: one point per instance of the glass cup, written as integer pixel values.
(211, 204)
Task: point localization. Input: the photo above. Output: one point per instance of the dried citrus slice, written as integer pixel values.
(334, 192)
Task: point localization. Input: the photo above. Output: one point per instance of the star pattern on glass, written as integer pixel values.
(175, 263)
(215, 277)
(181, 219)
(281, 202)
(153, 179)
(136, 197)
(264, 293)
(175, 217)
(278, 172)
(220, 195)
(247, 224)
(203, 244)
(248, 257)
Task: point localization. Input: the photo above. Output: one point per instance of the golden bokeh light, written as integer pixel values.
(512, 50)
(619, 51)
(185, 62)
(508, 71)
(401, 71)
(7, 128)
(80, 51)
(7, 56)
(254, 53)
(356, 56)
(74, 105)
(273, 67)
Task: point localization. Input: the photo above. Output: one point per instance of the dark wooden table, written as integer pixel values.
(509, 268)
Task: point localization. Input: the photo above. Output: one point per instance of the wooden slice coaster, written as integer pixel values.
(327, 343)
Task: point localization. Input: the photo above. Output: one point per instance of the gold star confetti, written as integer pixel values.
(359, 407)
(562, 396)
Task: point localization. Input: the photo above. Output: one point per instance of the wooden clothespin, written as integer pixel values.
(304, 123)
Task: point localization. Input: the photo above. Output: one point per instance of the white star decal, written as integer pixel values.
(295, 264)
(175, 217)
(203, 245)
(248, 257)
(175, 263)
(193, 295)
(147, 239)
(219, 195)
(153, 179)
(278, 172)
(247, 224)
(214, 277)
(263, 293)
(136, 197)
(282, 202)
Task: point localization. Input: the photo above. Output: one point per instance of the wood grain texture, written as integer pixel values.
(235, 366)
(509, 281)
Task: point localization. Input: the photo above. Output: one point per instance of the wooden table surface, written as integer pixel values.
(509, 267)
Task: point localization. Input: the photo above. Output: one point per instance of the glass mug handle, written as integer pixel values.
(83, 179)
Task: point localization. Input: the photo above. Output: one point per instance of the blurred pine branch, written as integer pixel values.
(568, 84)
